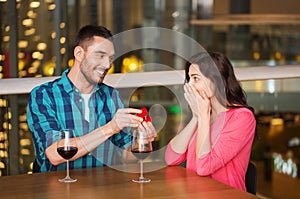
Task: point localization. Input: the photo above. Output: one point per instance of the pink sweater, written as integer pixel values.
(231, 141)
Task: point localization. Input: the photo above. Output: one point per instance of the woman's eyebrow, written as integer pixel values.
(194, 74)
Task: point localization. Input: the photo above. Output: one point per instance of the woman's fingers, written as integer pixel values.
(188, 89)
(147, 130)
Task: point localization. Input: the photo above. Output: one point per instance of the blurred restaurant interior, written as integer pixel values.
(36, 41)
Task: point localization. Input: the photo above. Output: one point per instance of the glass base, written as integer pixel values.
(141, 180)
(67, 180)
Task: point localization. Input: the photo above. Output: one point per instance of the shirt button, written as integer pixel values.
(80, 100)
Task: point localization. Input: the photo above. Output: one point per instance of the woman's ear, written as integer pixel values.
(79, 53)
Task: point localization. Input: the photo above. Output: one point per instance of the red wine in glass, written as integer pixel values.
(67, 148)
(141, 147)
(141, 155)
(68, 152)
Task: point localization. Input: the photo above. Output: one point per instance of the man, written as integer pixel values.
(80, 101)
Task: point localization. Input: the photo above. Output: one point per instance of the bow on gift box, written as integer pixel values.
(144, 115)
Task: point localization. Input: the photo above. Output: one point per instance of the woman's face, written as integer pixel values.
(200, 82)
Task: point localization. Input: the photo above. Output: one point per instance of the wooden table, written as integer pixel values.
(105, 182)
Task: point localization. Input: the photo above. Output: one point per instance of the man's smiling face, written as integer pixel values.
(98, 60)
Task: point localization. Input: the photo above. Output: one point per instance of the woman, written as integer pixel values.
(218, 139)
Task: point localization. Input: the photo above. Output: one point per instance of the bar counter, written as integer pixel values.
(105, 182)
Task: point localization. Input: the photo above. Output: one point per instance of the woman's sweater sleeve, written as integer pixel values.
(173, 158)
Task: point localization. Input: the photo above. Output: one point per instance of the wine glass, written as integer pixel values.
(67, 148)
(141, 147)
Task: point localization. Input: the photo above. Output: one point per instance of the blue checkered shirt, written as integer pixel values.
(59, 105)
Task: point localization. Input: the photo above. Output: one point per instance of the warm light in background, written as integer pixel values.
(277, 121)
(259, 86)
(7, 28)
(278, 55)
(32, 70)
(3, 154)
(34, 4)
(37, 55)
(3, 103)
(29, 32)
(62, 51)
(2, 57)
(21, 64)
(111, 70)
(62, 40)
(25, 151)
(41, 46)
(134, 98)
(25, 142)
(23, 44)
(31, 14)
(48, 68)
(6, 126)
(276, 127)
(36, 64)
(21, 55)
(7, 115)
(22, 118)
(51, 7)
(36, 38)
(132, 64)
(298, 58)
(62, 25)
(53, 35)
(6, 38)
(256, 55)
(70, 62)
(27, 22)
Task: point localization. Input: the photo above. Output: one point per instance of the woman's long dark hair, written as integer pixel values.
(219, 70)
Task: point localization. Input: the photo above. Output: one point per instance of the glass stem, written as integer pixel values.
(67, 169)
(141, 168)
